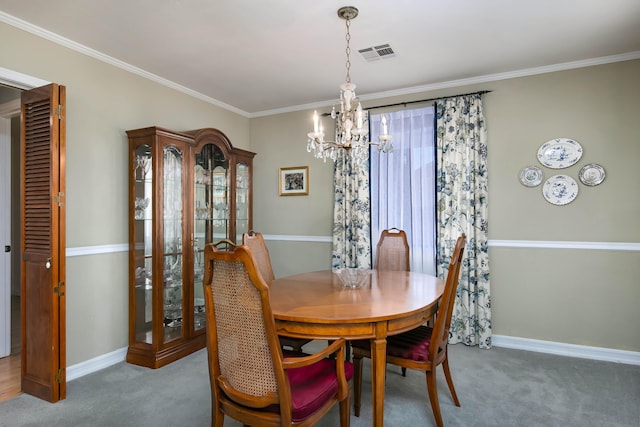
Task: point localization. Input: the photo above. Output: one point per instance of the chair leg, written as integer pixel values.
(345, 418)
(447, 375)
(357, 384)
(217, 418)
(432, 390)
(404, 371)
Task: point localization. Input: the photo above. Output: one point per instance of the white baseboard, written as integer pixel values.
(97, 363)
(562, 349)
(571, 350)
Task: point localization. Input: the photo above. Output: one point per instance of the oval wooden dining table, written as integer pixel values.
(317, 306)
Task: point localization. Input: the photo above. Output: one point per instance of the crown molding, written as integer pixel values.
(63, 41)
(464, 82)
(33, 29)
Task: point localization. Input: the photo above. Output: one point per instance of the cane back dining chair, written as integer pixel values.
(256, 243)
(423, 348)
(251, 379)
(392, 251)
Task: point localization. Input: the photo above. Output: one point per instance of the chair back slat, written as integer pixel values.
(392, 251)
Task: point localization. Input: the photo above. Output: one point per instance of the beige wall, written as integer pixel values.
(584, 297)
(280, 141)
(576, 296)
(102, 103)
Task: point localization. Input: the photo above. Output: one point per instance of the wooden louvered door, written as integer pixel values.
(42, 177)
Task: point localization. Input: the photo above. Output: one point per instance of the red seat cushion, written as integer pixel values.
(312, 386)
(411, 345)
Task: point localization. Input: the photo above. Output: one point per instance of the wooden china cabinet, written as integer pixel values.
(186, 189)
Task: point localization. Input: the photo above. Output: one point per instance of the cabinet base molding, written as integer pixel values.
(141, 356)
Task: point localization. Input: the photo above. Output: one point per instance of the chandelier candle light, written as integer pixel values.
(352, 124)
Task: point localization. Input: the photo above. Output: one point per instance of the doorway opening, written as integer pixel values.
(11, 333)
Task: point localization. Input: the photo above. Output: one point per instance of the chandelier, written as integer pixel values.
(352, 124)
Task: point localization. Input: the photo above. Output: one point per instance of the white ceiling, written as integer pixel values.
(257, 57)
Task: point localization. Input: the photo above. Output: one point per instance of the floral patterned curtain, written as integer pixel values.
(461, 179)
(351, 214)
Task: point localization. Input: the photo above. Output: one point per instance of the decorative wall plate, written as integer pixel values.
(559, 153)
(531, 176)
(591, 174)
(560, 190)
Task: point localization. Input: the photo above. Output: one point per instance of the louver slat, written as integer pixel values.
(37, 196)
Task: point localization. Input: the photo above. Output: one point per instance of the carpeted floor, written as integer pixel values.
(497, 387)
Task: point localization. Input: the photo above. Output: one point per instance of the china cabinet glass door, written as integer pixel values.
(242, 200)
(211, 216)
(143, 232)
(173, 160)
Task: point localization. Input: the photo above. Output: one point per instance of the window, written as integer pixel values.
(403, 184)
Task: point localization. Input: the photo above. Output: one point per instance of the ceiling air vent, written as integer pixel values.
(374, 53)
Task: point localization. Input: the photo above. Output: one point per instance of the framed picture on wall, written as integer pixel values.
(294, 181)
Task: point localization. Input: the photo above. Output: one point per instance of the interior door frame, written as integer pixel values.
(5, 235)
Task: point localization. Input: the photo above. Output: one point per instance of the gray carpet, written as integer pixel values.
(497, 387)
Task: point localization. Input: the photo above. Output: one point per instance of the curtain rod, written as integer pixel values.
(480, 92)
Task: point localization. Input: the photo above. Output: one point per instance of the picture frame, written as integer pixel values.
(294, 181)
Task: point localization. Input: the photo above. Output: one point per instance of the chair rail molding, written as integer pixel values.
(294, 238)
(96, 250)
(533, 244)
(525, 244)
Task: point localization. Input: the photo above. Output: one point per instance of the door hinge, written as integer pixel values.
(60, 376)
(59, 112)
(59, 199)
(59, 289)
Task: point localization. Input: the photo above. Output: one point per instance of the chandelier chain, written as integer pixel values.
(348, 50)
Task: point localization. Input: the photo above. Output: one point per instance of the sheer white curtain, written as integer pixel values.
(403, 184)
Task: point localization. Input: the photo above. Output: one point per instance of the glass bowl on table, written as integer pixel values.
(353, 277)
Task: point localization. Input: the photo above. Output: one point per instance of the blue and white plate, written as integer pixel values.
(560, 190)
(531, 176)
(559, 153)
